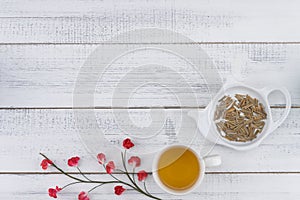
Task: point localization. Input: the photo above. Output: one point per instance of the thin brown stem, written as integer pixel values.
(133, 172)
(132, 181)
(56, 167)
(100, 183)
(83, 174)
(73, 183)
(145, 187)
(75, 178)
(126, 171)
(121, 181)
(95, 187)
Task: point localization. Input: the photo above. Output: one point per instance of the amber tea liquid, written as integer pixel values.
(178, 168)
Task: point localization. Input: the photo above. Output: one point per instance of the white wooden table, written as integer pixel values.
(43, 44)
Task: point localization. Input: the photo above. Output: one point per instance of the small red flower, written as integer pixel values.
(53, 192)
(101, 158)
(73, 162)
(142, 175)
(58, 188)
(134, 161)
(110, 167)
(83, 196)
(119, 190)
(127, 144)
(45, 163)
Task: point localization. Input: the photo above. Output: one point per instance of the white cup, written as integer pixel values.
(208, 161)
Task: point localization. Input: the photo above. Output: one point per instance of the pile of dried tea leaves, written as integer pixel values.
(239, 118)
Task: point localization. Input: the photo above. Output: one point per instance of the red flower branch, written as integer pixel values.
(120, 186)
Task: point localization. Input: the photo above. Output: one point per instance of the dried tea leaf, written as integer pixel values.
(239, 118)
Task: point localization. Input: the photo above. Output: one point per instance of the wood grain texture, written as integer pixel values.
(43, 44)
(45, 75)
(75, 21)
(225, 186)
(25, 133)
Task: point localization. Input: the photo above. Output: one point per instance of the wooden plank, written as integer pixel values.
(74, 21)
(215, 186)
(24, 133)
(45, 75)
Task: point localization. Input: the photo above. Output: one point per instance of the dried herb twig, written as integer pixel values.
(240, 118)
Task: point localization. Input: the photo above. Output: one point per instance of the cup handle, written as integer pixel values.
(212, 161)
(288, 105)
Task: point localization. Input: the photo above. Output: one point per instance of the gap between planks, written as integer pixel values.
(147, 43)
(103, 173)
(120, 108)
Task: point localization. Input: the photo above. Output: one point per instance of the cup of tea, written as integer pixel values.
(179, 170)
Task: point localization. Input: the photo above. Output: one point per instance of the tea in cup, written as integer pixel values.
(179, 170)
